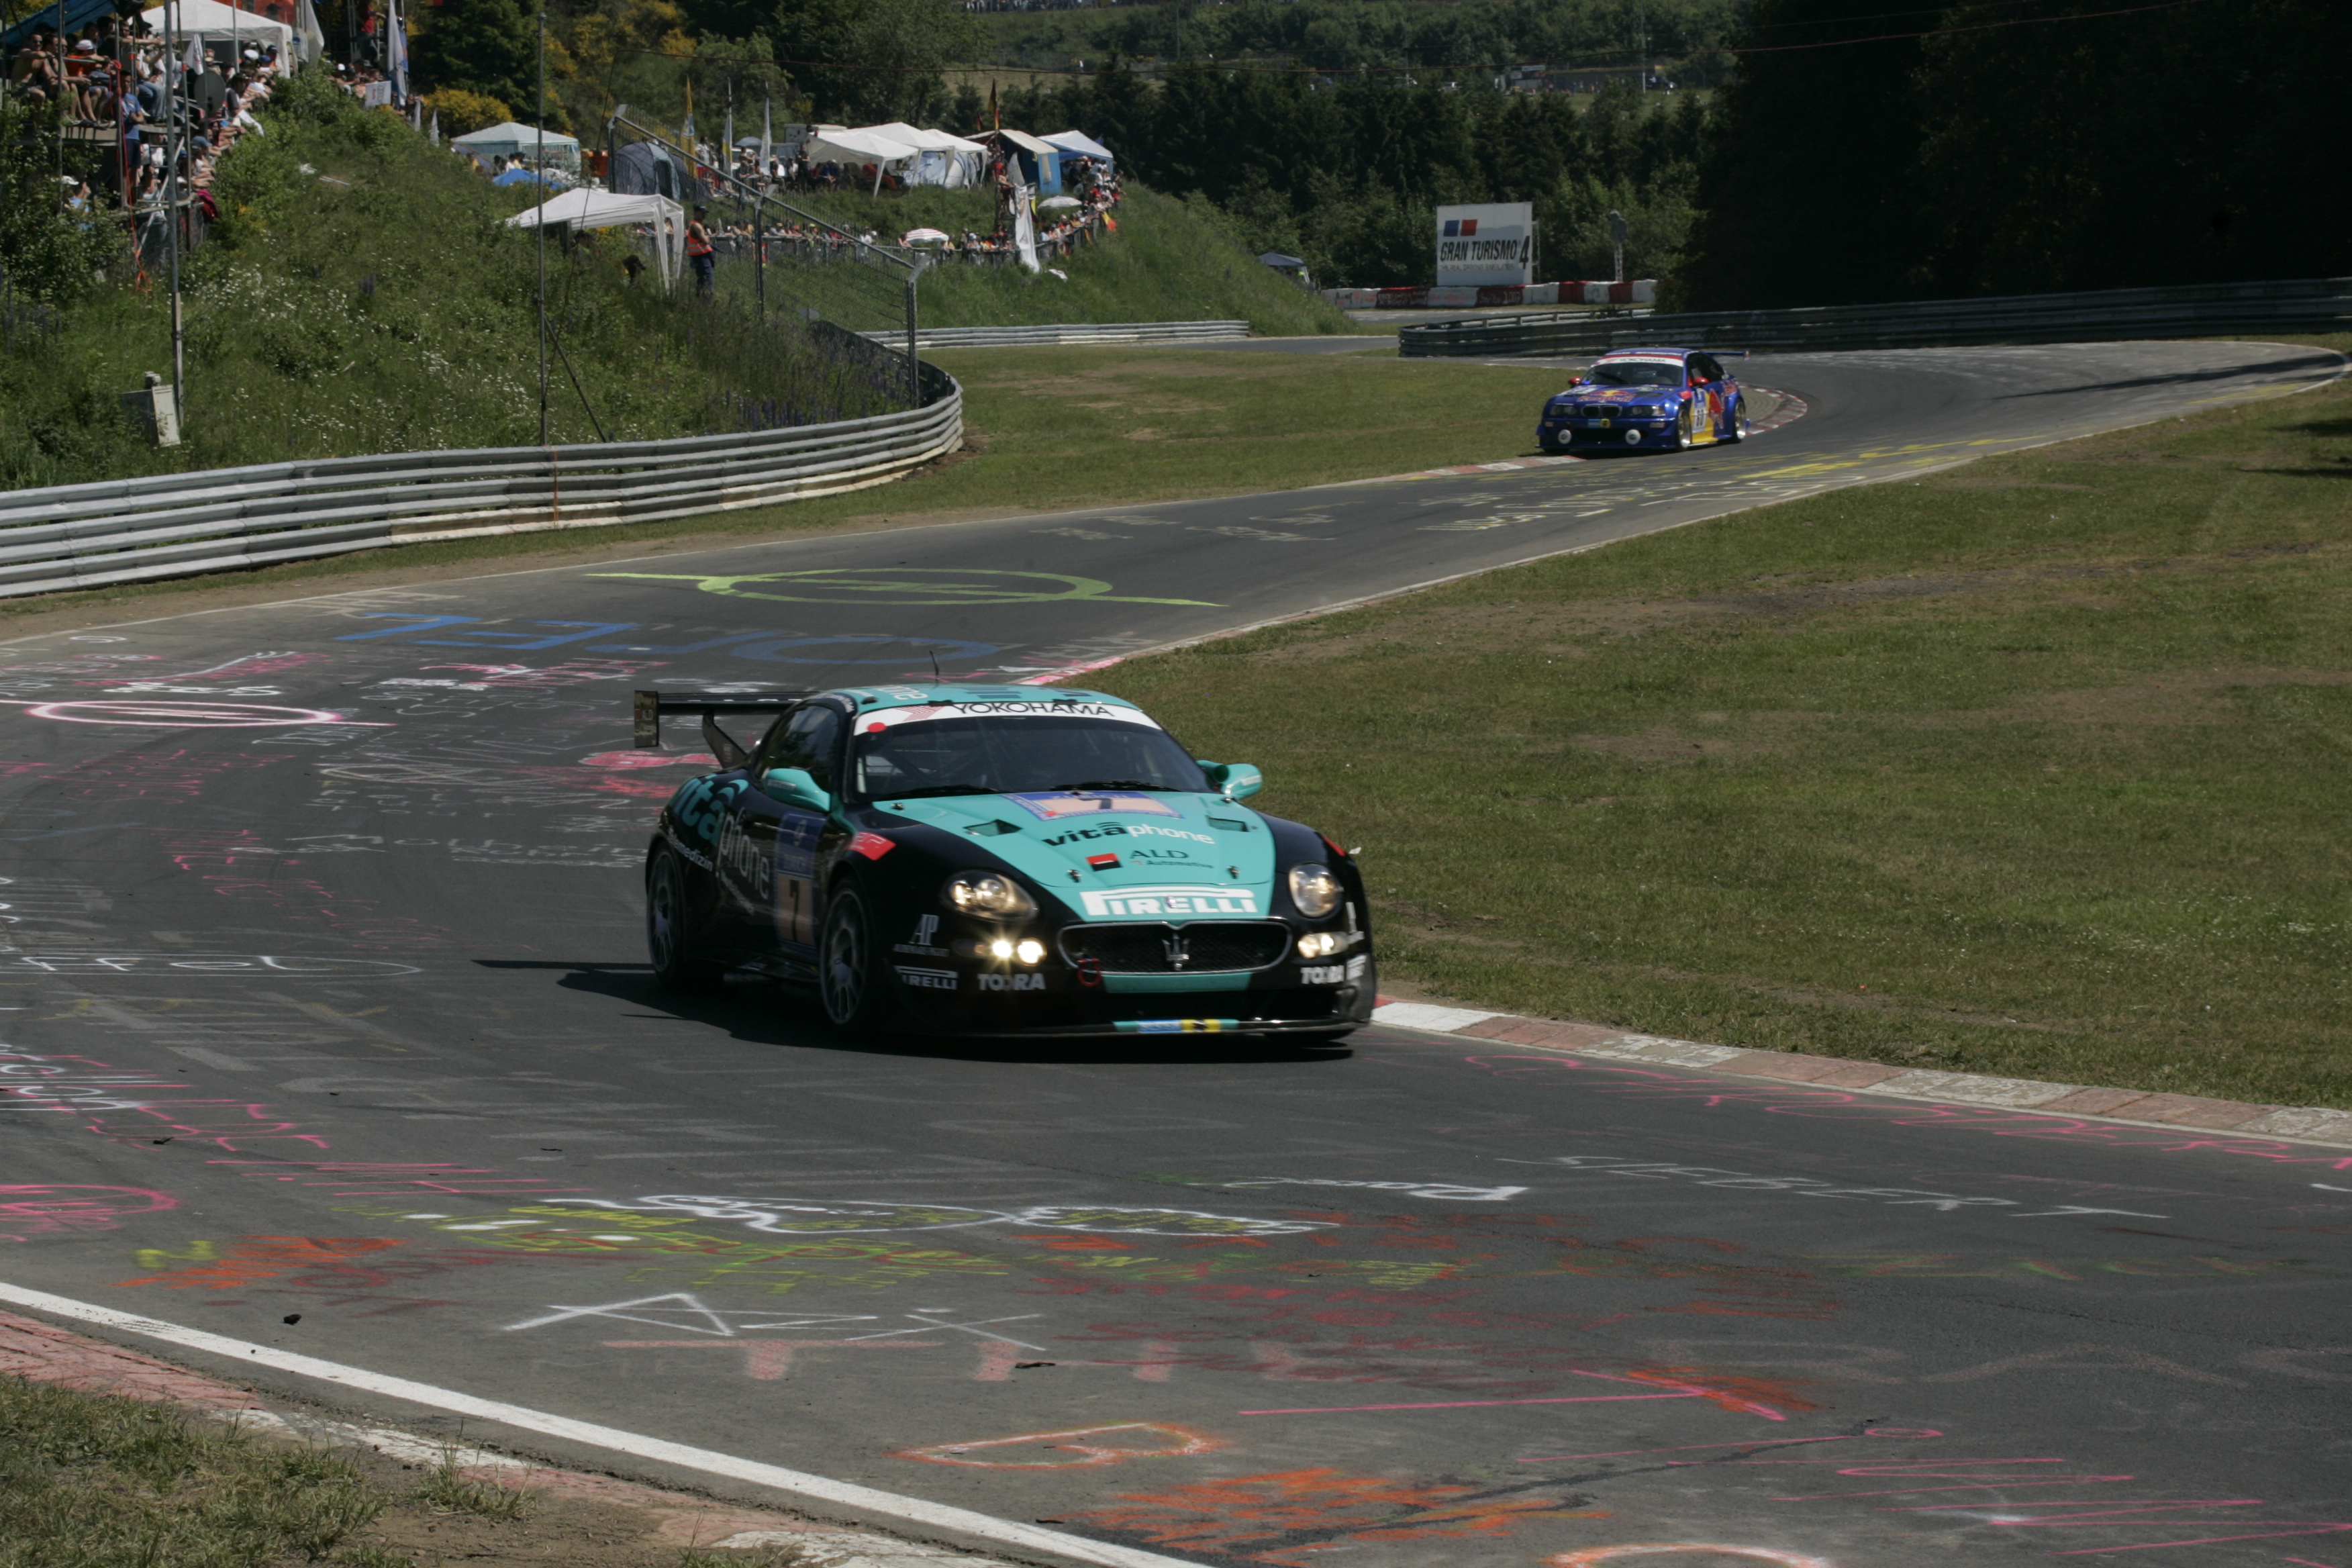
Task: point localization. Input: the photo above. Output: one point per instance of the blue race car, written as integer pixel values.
(992, 860)
(1647, 400)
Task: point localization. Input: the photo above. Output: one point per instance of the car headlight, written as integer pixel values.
(1313, 889)
(1321, 943)
(987, 893)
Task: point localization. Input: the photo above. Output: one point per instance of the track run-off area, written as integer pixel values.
(329, 1034)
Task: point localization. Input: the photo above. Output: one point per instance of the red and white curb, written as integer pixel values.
(2133, 1105)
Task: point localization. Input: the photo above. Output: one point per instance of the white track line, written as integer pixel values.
(841, 1494)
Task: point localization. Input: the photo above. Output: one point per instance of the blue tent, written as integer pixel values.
(529, 176)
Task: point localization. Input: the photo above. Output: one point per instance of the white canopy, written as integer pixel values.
(1028, 144)
(942, 159)
(511, 140)
(1078, 141)
(929, 140)
(211, 19)
(586, 208)
(832, 144)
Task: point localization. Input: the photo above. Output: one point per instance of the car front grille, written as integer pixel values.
(1160, 948)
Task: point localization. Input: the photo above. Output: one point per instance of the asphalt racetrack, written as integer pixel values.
(326, 1000)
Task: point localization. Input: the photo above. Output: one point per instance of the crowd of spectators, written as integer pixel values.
(117, 91)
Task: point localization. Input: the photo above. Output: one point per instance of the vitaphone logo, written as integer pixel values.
(698, 803)
(1133, 829)
(741, 859)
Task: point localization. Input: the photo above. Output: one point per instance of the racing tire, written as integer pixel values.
(848, 977)
(1736, 428)
(1683, 439)
(670, 940)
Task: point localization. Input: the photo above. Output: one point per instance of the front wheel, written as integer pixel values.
(847, 978)
(1683, 439)
(1739, 421)
(669, 930)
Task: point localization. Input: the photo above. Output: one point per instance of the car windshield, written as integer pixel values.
(1015, 755)
(1637, 372)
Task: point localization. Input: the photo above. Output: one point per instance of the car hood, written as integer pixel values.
(1114, 855)
(1621, 393)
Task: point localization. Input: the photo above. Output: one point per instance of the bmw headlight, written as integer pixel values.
(989, 893)
(1315, 890)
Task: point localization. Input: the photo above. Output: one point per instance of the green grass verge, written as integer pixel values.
(94, 1481)
(1171, 261)
(1067, 428)
(90, 1482)
(2033, 767)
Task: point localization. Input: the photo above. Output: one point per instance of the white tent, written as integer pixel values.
(210, 20)
(929, 141)
(1079, 142)
(585, 208)
(944, 160)
(513, 141)
(834, 144)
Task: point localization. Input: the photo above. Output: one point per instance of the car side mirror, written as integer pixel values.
(1235, 781)
(795, 786)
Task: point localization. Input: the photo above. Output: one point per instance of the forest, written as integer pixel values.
(1817, 151)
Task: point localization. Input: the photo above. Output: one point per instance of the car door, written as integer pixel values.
(786, 833)
(1710, 395)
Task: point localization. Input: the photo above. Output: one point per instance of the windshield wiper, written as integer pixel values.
(934, 789)
(1114, 784)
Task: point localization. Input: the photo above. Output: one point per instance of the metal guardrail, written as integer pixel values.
(1075, 332)
(2294, 305)
(178, 525)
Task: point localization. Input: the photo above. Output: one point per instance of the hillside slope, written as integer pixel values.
(1171, 261)
(359, 295)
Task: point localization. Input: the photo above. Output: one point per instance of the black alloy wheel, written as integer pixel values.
(847, 977)
(669, 937)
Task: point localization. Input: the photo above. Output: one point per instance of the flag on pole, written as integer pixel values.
(434, 135)
(194, 63)
(727, 133)
(685, 132)
(310, 39)
(995, 120)
(395, 42)
(767, 133)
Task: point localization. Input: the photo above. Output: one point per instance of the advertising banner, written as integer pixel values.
(1492, 244)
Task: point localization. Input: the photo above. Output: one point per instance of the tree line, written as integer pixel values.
(1853, 153)
(1348, 177)
(2003, 148)
(1357, 35)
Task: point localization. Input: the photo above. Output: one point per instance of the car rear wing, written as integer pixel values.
(649, 706)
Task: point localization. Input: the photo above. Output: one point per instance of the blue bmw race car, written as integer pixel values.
(997, 860)
(1646, 400)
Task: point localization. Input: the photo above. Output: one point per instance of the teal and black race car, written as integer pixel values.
(998, 860)
(1647, 400)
